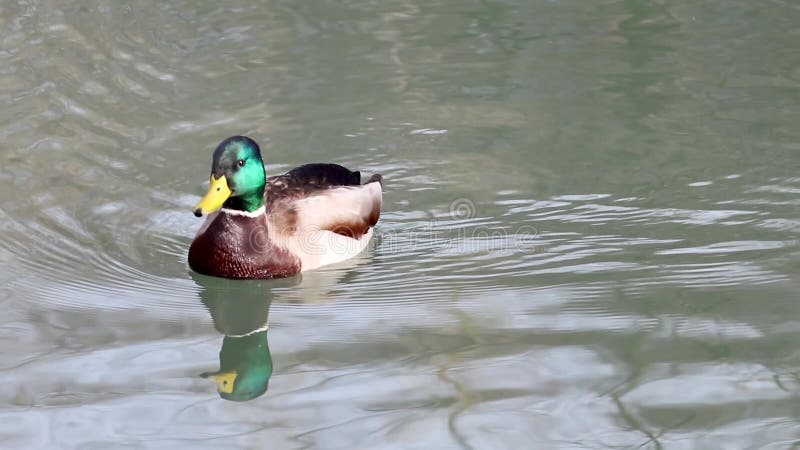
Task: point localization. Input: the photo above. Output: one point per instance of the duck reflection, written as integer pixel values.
(240, 311)
(245, 367)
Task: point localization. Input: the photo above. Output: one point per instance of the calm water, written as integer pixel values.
(589, 238)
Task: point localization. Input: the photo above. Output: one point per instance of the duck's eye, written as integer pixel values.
(240, 162)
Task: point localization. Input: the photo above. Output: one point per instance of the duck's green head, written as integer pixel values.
(237, 177)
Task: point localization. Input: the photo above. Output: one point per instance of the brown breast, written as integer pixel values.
(238, 246)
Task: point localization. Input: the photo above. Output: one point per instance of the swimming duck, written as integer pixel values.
(269, 227)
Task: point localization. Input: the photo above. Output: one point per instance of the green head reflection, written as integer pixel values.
(245, 367)
(240, 311)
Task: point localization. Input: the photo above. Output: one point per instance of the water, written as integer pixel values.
(589, 236)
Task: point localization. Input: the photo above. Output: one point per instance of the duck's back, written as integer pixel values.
(304, 180)
(322, 175)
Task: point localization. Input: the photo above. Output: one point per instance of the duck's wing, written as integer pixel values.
(303, 181)
(323, 197)
(346, 210)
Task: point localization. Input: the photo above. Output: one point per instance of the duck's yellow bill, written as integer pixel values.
(217, 193)
(224, 380)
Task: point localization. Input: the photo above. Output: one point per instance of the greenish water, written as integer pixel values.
(589, 236)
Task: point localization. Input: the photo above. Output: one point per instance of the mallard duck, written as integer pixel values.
(268, 227)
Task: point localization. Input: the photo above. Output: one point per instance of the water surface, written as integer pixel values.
(589, 236)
